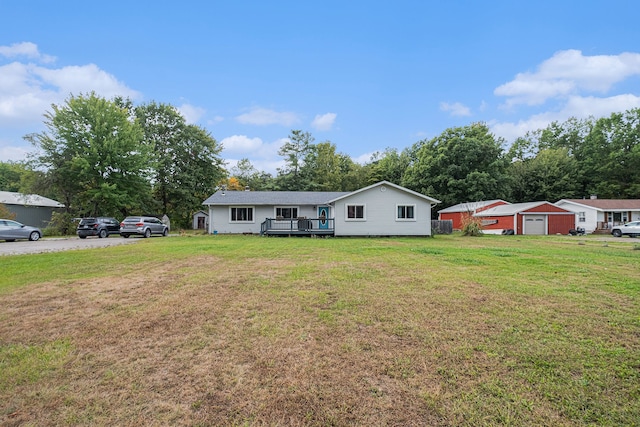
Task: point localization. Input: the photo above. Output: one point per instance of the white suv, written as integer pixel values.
(631, 229)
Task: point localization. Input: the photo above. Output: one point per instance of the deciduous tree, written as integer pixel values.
(390, 165)
(93, 156)
(611, 156)
(462, 164)
(186, 164)
(551, 175)
(321, 170)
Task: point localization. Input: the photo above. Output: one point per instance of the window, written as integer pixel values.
(286, 213)
(406, 213)
(355, 212)
(241, 214)
(581, 217)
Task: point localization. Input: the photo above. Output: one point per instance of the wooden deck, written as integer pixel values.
(297, 227)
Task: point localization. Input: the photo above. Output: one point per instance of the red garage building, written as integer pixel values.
(527, 218)
(457, 213)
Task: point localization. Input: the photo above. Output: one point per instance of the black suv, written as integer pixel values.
(100, 226)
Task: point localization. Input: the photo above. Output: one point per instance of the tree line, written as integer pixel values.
(109, 157)
(572, 159)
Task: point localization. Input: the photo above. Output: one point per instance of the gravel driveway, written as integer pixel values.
(21, 247)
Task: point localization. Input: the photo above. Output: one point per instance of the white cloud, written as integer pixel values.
(324, 121)
(27, 50)
(241, 144)
(568, 73)
(572, 82)
(27, 90)
(456, 108)
(82, 78)
(264, 156)
(191, 113)
(578, 106)
(575, 106)
(263, 165)
(364, 158)
(12, 153)
(263, 116)
(510, 130)
(215, 120)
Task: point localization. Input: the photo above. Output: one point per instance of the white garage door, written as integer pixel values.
(535, 224)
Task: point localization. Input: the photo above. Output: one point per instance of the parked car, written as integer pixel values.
(12, 230)
(101, 226)
(143, 226)
(631, 229)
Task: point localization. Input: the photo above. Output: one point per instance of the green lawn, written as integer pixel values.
(243, 330)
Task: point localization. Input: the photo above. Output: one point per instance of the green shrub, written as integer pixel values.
(62, 224)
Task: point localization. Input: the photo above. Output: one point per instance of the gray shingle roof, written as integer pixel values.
(273, 197)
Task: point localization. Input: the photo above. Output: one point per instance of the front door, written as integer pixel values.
(323, 216)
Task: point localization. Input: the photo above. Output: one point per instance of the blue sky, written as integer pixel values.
(365, 75)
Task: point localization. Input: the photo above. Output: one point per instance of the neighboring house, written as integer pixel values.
(382, 209)
(527, 218)
(30, 209)
(601, 214)
(200, 220)
(457, 213)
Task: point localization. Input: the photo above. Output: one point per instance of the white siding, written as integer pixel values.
(381, 213)
(199, 215)
(219, 218)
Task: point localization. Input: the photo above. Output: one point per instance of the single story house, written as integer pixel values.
(457, 213)
(595, 214)
(200, 220)
(527, 218)
(381, 209)
(30, 209)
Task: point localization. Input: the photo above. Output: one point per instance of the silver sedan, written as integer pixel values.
(13, 230)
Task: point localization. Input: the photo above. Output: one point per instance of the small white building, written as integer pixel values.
(200, 220)
(381, 209)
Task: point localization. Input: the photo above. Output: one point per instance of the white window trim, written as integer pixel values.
(275, 210)
(582, 217)
(242, 222)
(346, 212)
(406, 219)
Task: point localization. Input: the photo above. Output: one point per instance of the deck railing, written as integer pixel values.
(297, 226)
(603, 225)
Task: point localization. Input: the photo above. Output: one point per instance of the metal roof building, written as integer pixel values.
(30, 209)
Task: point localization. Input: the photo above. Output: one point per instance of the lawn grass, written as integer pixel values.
(242, 330)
